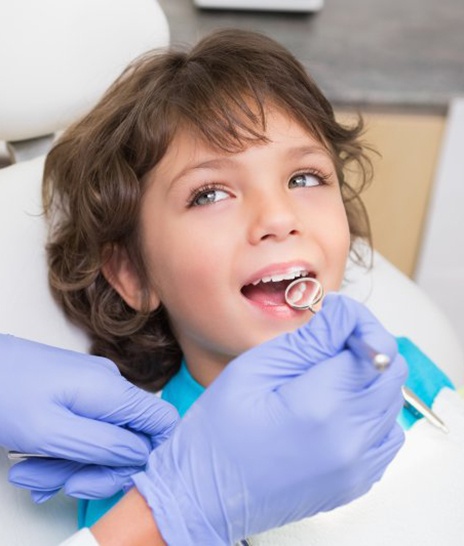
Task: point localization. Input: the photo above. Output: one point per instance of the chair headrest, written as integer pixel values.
(59, 57)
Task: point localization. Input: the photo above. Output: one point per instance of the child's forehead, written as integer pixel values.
(284, 137)
(275, 123)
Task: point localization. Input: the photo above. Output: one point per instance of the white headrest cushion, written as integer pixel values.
(27, 308)
(59, 57)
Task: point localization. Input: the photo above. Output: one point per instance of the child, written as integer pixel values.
(186, 201)
(167, 136)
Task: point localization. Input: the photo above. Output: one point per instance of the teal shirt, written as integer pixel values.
(425, 380)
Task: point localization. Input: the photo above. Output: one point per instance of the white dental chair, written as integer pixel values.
(57, 58)
(28, 310)
(92, 42)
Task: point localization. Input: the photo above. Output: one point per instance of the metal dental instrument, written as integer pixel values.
(19, 456)
(304, 293)
(419, 406)
(361, 349)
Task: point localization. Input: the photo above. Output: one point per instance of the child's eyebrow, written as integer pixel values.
(292, 152)
(301, 151)
(215, 163)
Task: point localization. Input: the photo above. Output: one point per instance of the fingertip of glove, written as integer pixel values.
(331, 298)
(78, 491)
(39, 497)
(338, 304)
(170, 416)
(15, 476)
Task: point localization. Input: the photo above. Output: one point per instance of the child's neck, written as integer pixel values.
(205, 370)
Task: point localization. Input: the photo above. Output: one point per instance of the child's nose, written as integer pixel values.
(273, 218)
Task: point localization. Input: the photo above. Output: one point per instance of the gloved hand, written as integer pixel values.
(295, 426)
(78, 408)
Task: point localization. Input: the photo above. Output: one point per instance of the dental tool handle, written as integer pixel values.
(381, 362)
(363, 350)
(18, 456)
(423, 409)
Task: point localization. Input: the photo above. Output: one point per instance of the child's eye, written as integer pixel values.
(207, 196)
(305, 180)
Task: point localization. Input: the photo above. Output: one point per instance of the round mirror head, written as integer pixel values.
(304, 293)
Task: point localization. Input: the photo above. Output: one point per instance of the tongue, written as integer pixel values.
(269, 293)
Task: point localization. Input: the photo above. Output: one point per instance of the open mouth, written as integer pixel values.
(270, 290)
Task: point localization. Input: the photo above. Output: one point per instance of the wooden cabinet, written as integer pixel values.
(397, 200)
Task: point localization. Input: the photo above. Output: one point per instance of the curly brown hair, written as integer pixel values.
(94, 176)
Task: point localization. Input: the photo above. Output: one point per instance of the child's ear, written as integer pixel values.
(121, 274)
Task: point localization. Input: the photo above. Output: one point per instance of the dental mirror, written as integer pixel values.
(304, 293)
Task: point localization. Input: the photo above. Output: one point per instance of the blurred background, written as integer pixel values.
(401, 65)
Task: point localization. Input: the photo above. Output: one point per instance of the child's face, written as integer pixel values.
(214, 224)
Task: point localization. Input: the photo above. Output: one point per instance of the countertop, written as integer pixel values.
(403, 55)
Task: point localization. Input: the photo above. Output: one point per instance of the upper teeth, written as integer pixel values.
(288, 276)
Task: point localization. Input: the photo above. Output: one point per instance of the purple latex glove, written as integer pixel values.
(295, 426)
(78, 409)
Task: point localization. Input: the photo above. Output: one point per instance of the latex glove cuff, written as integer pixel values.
(177, 516)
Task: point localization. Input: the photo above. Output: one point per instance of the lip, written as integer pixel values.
(280, 269)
